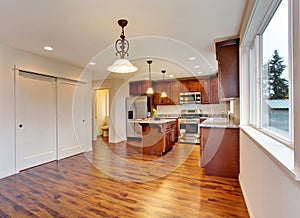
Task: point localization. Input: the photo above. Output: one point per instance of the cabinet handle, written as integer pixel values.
(21, 125)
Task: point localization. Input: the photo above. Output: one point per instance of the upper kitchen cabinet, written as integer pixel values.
(227, 54)
(190, 85)
(139, 87)
(172, 89)
(159, 87)
(195, 85)
(205, 91)
(214, 90)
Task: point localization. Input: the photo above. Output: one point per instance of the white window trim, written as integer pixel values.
(281, 154)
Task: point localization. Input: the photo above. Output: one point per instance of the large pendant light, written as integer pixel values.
(122, 65)
(150, 89)
(163, 94)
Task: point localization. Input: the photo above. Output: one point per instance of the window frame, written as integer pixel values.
(257, 45)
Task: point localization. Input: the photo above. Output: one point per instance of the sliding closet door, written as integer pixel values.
(80, 115)
(35, 120)
(68, 144)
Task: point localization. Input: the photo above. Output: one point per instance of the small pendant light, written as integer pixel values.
(163, 94)
(150, 89)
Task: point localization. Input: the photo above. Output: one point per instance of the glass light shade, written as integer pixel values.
(150, 91)
(163, 94)
(122, 66)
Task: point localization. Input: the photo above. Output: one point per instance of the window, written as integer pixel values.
(269, 61)
(253, 81)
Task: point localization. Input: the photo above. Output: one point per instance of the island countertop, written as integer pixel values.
(153, 121)
(219, 123)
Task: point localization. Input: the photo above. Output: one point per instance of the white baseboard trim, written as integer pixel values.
(7, 173)
(249, 208)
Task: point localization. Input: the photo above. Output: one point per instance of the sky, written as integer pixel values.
(276, 36)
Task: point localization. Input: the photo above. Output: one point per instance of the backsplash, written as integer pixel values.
(206, 108)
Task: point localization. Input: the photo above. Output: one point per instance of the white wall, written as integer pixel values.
(268, 190)
(118, 91)
(25, 61)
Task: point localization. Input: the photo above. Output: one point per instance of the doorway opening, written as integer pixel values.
(102, 112)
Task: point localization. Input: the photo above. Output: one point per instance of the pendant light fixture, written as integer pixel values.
(150, 89)
(163, 94)
(122, 65)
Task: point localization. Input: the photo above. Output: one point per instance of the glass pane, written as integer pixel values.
(275, 73)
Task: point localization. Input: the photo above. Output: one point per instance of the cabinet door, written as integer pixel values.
(195, 85)
(138, 87)
(205, 95)
(160, 87)
(228, 64)
(133, 88)
(184, 87)
(174, 90)
(214, 90)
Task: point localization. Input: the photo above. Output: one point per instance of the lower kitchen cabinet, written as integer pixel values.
(219, 153)
(157, 137)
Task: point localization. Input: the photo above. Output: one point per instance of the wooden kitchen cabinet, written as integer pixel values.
(227, 54)
(139, 87)
(175, 129)
(219, 151)
(208, 86)
(159, 87)
(195, 85)
(174, 91)
(190, 85)
(184, 87)
(158, 138)
(214, 90)
(171, 87)
(205, 91)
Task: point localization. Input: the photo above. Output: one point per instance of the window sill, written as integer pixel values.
(281, 154)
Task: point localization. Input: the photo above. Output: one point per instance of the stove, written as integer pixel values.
(188, 126)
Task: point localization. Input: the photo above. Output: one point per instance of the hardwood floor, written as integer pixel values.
(116, 180)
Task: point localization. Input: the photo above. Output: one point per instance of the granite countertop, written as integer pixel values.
(220, 123)
(153, 121)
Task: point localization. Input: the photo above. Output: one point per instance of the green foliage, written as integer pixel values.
(278, 87)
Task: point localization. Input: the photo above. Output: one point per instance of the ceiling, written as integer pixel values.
(81, 31)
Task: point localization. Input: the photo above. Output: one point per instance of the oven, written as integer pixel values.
(188, 127)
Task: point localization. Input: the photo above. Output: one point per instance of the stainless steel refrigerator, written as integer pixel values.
(137, 108)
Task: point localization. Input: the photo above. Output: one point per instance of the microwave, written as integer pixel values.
(190, 98)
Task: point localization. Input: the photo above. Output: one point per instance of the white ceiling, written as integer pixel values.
(167, 31)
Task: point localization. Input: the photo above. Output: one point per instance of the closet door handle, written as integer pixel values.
(20, 125)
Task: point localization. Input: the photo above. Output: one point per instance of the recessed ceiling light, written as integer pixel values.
(199, 72)
(192, 58)
(48, 48)
(171, 75)
(196, 67)
(92, 63)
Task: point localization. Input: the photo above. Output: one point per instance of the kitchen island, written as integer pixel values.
(219, 151)
(158, 136)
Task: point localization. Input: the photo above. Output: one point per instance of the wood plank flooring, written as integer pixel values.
(116, 180)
